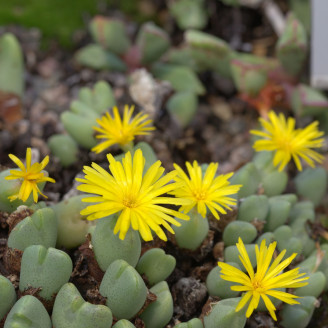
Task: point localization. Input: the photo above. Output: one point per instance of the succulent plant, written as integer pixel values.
(8, 188)
(160, 312)
(231, 254)
(300, 314)
(28, 311)
(128, 200)
(71, 311)
(84, 111)
(156, 265)
(72, 227)
(192, 233)
(197, 15)
(183, 106)
(7, 297)
(217, 286)
(292, 45)
(11, 65)
(115, 51)
(64, 147)
(224, 312)
(235, 229)
(103, 239)
(254, 207)
(48, 269)
(193, 323)
(124, 288)
(123, 323)
(38, 229)
(209, 52)
(311, 184)
(276, 217)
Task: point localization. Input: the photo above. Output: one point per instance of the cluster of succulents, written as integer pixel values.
(261, 81)
(131, 286)
(261, 208)
(113, 50)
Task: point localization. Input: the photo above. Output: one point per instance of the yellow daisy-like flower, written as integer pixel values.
(204, 192)
(136, 195)
(116, 130)
(30, 176)
(266, 279)
(281, 136)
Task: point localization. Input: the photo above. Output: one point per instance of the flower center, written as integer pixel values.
(285, 143)
(129, 201)
(123, 138)
(199, 194)
(257, 284)
(32, 176)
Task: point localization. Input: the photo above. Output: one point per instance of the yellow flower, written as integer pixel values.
(135, 195)
(114, 129)
(30, 176)
(204, 192)
(266, 279)
(281, 136)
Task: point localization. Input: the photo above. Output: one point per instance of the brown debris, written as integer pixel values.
(156, 243)
(139, 323)
(225, 219)
(14, 279)
(317, 230)
(88, 254)
(12, 260)
(201, 272)
(218, 251)
(3, 220)
(151, 298)
(94, 297)
(10, 107)
(19, 215)
(48, 304)
(258, 224)
(207, 308)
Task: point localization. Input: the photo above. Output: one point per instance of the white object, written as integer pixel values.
(319, 44)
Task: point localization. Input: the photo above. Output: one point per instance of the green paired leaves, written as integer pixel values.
(38, 229)
(7, 296)
(71, 311)
(159, 313)
(72, 226)
(11, 65)
(225, 313)
(108, 247)
(156, 265)
(48, 269)
(84, 111)
(292, 46)
(191, 233)
(28, 312)
(217, 286)
(124, 288)
(298, 315)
